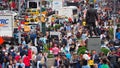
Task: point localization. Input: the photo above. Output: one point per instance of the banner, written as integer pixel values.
(6, 25)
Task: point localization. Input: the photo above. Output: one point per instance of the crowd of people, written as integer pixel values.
(74, 34)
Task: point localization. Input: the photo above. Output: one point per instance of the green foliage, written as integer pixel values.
(111, 30)
(81, 50)
(46, 48)
(57, 26)
(50, 55)
(111, 33)
(118, 25)
(50, 28)
(105, 50)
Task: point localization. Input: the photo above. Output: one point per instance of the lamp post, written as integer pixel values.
(19, 34)
(42, 19)
(114, 16)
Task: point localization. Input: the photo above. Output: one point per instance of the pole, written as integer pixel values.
(40, 15)
(19, 37)
(114, 19)
(42, 22)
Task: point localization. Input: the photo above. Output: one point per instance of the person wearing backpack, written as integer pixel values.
(26, 61)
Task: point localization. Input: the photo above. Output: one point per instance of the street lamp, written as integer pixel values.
(19, 34)
(114, 16)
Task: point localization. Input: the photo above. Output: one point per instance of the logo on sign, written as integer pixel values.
(56, 3)
(3, 22)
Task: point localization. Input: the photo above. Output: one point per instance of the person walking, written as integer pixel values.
(55, 50)
(26, 61)
(38, 59)
(104, 65)
(91, 17)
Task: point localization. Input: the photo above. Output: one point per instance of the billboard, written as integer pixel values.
(6, 25)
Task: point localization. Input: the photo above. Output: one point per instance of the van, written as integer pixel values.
(69, 12)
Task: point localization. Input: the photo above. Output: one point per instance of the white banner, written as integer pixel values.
(6, 25)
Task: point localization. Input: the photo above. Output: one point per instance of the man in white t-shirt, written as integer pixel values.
(86, 56)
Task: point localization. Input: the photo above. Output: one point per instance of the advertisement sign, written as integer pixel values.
(6, 25)
(27, 28)
(57, 4)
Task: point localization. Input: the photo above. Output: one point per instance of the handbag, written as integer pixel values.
(42, 60)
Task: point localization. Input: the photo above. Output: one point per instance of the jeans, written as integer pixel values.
(39, 65)
(78, 65)
(27, 66)
(86, 66)
(4, 65)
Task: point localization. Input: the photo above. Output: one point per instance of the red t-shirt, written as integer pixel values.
(26, 61)
(55, 50)
(30, 53)
(17, 57)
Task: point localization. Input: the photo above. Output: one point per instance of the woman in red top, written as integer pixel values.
(30, 53)
(17, 57)
(26, 61)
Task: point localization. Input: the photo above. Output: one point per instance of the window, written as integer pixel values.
(74, 11)
(32, 4)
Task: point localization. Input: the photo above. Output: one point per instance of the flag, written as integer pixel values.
(12, 4)
(1, 40)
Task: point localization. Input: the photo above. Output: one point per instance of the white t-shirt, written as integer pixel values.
(86, 57)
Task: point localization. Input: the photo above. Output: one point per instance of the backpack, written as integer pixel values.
(42, 60)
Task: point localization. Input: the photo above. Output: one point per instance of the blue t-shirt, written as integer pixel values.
(68, 55)
(118, 35)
